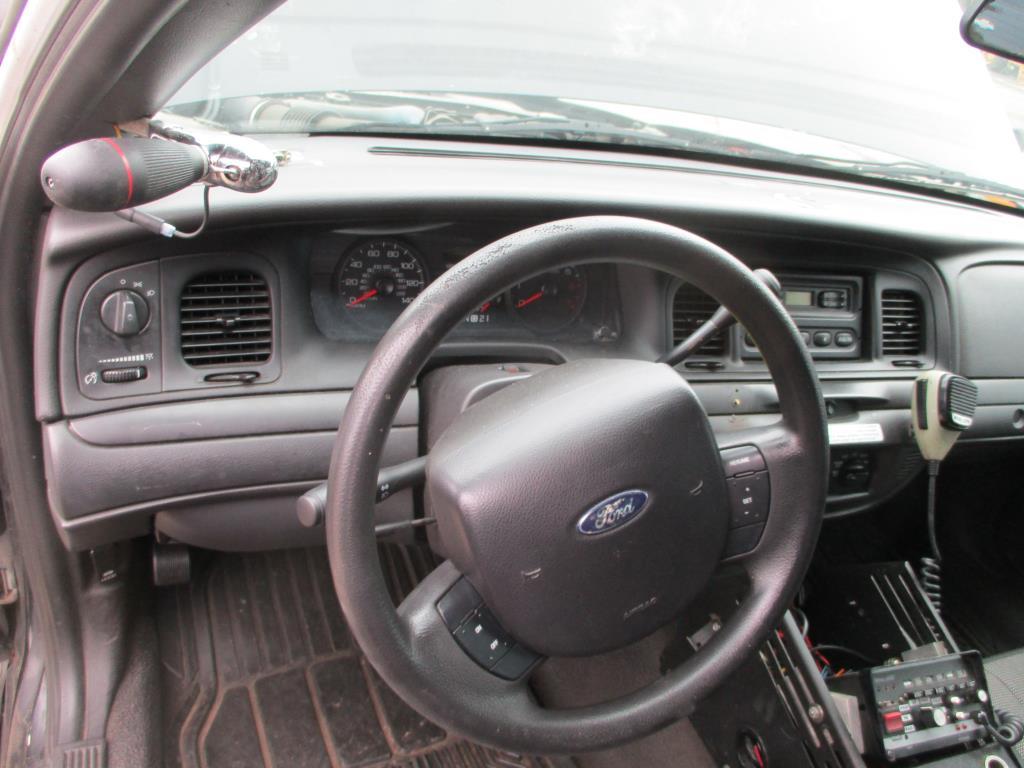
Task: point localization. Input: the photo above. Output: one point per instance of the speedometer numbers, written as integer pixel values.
(377, 280)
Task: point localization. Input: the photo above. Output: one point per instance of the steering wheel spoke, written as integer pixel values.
(466, 623)
(451, 631)
(765, 473)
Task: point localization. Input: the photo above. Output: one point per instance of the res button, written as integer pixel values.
(742, 460)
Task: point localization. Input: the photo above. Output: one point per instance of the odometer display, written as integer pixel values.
(377, 280)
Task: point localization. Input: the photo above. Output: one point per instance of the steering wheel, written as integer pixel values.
(580, 509)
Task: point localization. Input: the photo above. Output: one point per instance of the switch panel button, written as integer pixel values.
(893, 722)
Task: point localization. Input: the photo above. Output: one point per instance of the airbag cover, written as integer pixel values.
(587, 504)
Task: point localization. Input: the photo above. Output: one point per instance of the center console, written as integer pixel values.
(864, 672)
(920, 707)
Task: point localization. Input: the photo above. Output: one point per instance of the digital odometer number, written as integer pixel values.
(377, 280)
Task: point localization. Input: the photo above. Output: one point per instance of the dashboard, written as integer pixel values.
(192, 389)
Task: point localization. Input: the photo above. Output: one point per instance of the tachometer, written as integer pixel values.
(550, 301)
(377, 280)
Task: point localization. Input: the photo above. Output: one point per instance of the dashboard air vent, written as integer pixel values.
(226, 319)
(691, 308)
(902, 323)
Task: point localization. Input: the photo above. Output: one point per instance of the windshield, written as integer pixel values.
(875, 88)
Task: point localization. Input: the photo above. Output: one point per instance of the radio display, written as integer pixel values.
(798, 298)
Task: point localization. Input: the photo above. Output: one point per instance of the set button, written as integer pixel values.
(748, 499)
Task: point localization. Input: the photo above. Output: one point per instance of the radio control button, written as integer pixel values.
(845, 339)
(832, 299)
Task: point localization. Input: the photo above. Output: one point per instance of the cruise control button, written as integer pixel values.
(748, 499)
(738, 461)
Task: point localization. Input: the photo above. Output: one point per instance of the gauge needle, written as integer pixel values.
(529, 299)
(360, 299)
(485, 307)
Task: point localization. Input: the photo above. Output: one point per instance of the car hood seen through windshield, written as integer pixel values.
(893, 80)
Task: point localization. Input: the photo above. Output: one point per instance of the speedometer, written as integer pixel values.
(377, 280)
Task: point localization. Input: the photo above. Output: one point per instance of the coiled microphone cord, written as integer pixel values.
(930, 569)
(1007, 729)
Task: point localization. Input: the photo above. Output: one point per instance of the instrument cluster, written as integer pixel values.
(373, 279)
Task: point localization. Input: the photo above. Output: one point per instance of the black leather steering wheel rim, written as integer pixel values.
(412, 649)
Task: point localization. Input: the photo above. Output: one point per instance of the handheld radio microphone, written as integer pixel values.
(942, 406)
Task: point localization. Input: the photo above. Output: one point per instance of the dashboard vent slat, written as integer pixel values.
(226, 319)
(691, 308)
(902, 323)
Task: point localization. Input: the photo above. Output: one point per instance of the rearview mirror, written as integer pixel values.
(996, 26)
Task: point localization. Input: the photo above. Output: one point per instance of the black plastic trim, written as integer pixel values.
(94, 479)
(252, 415)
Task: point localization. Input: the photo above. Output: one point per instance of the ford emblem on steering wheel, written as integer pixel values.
(612, 512)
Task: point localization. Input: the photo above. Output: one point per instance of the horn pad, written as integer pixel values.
(587, 504)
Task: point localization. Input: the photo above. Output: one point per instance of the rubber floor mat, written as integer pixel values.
(259, 669)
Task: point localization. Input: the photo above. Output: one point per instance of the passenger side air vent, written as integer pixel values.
(691, 308)
(902, 323)
(226, 319)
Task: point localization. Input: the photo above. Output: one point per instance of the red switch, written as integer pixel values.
(892, 722)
